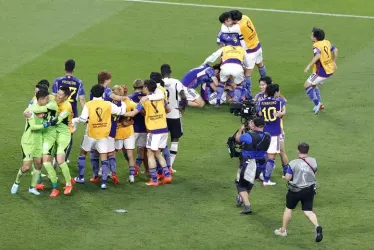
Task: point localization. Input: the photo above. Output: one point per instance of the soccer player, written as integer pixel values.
(233, 59)
(105, 78)
(99, 124)
(76, 88)
(32, 140)
(193, 79)
(63, 136)
(49, 141)
(272, 109)
(139, 127)
(227, 38)
(263, 83)
(155, 120)
(324, 66)
(118, 91)
(175, 92)
(248, 36)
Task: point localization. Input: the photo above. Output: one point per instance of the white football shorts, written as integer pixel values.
(233, 70)
(274, 147)
(157, 141)
(111, 144)
(315, 79)
(253, 58)
(101, 145)
(191, 94)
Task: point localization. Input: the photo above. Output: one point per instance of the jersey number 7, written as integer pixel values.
(73, 90)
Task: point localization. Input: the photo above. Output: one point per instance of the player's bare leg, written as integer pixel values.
(196, 103)
(173, 152)
(61, 161)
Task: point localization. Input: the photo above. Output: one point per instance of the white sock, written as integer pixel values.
(173, 152)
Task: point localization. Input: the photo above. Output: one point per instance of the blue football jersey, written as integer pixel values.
(198, 76)
(268, 107)
(226, 39)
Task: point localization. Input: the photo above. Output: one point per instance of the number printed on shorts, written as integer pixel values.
(269, 114)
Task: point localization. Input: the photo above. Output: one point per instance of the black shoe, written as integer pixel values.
(246, 210)
(319, 235)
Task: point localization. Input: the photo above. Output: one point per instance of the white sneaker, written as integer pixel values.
(280, 233)
(77, 180)
(261, 177)
(33, 191)
(131, 179)
(14, 188)
(269, 183)
(104, 186)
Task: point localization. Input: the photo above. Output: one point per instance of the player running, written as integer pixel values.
(155, 120)
(99, 124)
(233, 58)
(243, 25)
(32, 140)
(176, 95)
(76, 89)
(272, 109)
(324, 66)
(193, 79)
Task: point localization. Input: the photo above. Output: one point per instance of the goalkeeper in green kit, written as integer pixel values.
(32, 140)
(62, 141)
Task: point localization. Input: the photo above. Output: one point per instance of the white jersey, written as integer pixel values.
(173, 87)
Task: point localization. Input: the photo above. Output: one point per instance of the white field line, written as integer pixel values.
(252, 9)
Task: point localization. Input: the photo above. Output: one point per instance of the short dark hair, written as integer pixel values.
(266, 79)
(259, 122)
(157, 77)
(272, 89)
(69, 65)
(217, 66)
(43, 82)
(151, 85)
(103, 76)
(319, 34)
(41, 86)
(65, 89)
(165, 70)
(236, 15)
(224, 16)
(41, 94)
(303, 147)
(97, 90)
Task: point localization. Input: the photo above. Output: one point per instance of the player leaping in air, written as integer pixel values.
(324, 65)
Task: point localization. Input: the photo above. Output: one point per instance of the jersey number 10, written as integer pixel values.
(269, 114)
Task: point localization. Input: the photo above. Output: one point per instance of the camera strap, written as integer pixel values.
(314, 171)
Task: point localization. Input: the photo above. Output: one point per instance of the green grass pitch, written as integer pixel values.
(198, 210)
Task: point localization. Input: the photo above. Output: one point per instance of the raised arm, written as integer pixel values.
(213, 57)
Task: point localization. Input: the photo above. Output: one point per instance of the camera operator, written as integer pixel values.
(255, 143)
(301, 187)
